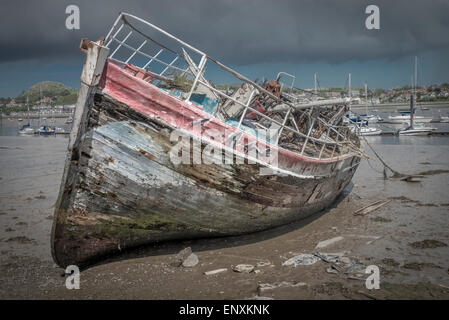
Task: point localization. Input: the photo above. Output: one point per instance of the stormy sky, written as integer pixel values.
(258, 38)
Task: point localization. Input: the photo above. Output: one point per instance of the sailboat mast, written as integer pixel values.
(28, 111)
(366, 98)
(349, 85)
(314, 76)
(416, 75)
(39, 108)
(349, 91)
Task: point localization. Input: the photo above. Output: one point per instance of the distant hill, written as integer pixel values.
(58, 93)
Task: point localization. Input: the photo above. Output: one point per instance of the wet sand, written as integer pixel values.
(407, 238)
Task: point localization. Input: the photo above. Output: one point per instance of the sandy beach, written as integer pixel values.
(407, 238)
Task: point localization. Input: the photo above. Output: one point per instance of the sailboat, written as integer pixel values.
(417, 129)
(369, 117)
(44, 130)
(26, 128)
(360, 125)
(406, 115)
(413, 129)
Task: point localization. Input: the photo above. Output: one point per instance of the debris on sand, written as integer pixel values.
(427, 244)
(345, 260)
(190, 261)
(328, 242)
(40, 197)
(303, 259)
(181, 256)
(9, 229)
(343, 265)
(20, 239)
(243, 268)
(329, 257)
(263, 264)
(371, 207)
(212, 272)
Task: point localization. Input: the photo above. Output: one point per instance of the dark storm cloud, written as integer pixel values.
(237, 32)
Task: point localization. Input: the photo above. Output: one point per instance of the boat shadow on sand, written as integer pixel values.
(216, 243)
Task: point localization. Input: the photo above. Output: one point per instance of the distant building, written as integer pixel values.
(12, 103)
(45, 100)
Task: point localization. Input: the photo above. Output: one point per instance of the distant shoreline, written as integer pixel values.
(24, 116)
(434, 104)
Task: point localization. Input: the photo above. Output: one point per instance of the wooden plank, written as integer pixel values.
(372, 207)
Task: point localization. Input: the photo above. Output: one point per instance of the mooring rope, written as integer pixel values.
(395, 173)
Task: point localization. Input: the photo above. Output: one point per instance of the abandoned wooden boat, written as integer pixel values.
(133, 175)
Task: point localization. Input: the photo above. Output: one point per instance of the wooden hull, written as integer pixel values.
(120, 189)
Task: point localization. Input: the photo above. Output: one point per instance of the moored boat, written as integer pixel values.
(369, 131)
(416, 130)
(159, 153)
(406, 116)
(46, 130)
(26, 129)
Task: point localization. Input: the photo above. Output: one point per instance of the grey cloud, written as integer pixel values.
(237, 32)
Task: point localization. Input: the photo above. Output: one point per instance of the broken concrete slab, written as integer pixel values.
(182, 255)
(243, 268)
(190, 261)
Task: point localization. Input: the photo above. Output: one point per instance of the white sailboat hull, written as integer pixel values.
(370, 132)
(402, 119)
(413, 132)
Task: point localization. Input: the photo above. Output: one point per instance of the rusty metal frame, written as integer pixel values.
(197, 80)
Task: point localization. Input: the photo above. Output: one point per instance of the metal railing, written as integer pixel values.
(122, 24)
